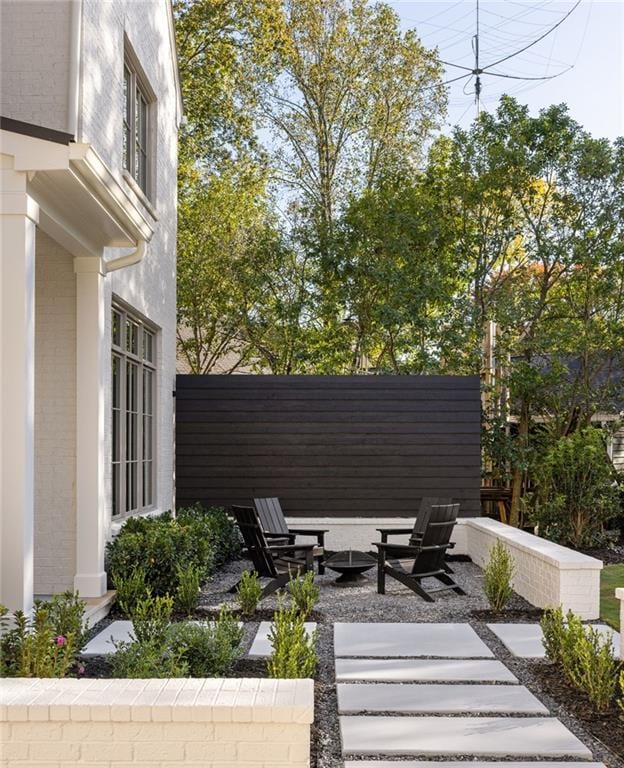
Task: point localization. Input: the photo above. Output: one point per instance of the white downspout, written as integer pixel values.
(127, 261)
(75, 49)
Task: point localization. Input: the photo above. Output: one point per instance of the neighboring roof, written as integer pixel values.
(36, 131)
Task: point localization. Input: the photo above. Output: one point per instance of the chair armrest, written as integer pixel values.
(293, 548)
(405, 548)
(385, 532)
(308, 531)
(289, 537)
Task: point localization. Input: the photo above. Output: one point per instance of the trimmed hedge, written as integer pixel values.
(161, 546)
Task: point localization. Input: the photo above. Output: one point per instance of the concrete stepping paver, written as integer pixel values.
(470, 736)
(464, 764)
(424, 670)
(525, 640)
(408, 640)
(425, 698)
(261, 647)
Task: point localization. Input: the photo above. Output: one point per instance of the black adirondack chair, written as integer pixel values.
(418, 529)
(426, 549)
(273, 522)
(275, 562)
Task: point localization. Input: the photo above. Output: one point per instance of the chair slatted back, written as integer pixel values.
(255, 540)
(271, 516)
(440, 521)
(424, 511)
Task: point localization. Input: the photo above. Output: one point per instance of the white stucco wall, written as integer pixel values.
(148, 287)
(55, 417)
(34, 77)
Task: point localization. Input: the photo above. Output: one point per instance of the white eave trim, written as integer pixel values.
(90, 169)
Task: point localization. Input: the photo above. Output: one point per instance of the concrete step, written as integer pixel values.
(423, 670)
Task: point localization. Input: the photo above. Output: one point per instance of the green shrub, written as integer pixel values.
(620, 700)
(498, 574)
(47, 644)
(147, 660)
(305, 593)
(553, 629)
(188, 589)
(208, 649)
(584, 656)
(151, 618)
(294, 653)
(131, 590)
(248, 593)
(577, 492)
(163, 545)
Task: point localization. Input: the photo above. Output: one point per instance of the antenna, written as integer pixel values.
(477, 70)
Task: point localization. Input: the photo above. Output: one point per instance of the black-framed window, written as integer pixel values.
(133, 397)
(136, 129)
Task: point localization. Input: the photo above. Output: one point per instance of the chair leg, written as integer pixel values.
(447, 568)
(446, 579)
(381, 576)
(320, 565)
(321, 562)
(275, 584)
(410, 582)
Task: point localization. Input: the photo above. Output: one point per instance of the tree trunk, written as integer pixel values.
(517, 480)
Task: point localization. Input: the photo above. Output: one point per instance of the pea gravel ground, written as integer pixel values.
(361, 603)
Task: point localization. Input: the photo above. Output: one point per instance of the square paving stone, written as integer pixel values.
(525, 640)
(409, 640)
(465, 736)
(463, 764)
(261, 647)
(437, 699)
(423, 670)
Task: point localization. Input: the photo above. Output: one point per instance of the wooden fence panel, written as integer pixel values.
(330, 446)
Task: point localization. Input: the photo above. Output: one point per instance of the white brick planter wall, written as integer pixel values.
(619, 593)
(157, 723)
(547, 574)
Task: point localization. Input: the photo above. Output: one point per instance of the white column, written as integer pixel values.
(91, 366)
(19, 216)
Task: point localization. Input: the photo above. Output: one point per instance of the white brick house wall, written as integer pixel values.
(55, 417)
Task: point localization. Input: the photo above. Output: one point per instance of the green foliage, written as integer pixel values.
(553, 628)
(498, 575)
(151, 618)
(584, 656)
(304, 592)
(620, 700)
(294, 653)
(147, 660)
(163, 547)
(248, 593)
(187, 592)
(209, 649)
(131, 590)
(47, 644)
(576, 488)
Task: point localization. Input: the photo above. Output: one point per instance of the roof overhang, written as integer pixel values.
(82, 204)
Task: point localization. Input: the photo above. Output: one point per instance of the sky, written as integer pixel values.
(589, 44)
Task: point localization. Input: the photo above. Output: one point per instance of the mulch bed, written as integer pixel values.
(607, 726)
(510, 616)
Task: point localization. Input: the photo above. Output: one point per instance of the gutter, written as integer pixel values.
(127, 261)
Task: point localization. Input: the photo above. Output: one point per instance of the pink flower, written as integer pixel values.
(81, 670)
(60, 640)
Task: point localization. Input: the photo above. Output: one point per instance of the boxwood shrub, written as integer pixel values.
(163, 546)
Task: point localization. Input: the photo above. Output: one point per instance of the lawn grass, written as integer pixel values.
(612, 576)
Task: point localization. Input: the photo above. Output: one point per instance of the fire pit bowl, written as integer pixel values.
(351, 564)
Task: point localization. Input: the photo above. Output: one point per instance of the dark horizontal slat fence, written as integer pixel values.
(330, 446)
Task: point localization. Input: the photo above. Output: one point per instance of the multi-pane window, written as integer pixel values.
(133, 388)
(136, 128)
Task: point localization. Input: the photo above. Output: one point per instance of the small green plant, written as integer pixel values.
(189, 585)
(151, 618)
(147, 660)
(304, 592)
(248, 593)
(620, 700)
(553, 629)
(584, 655)
(209, 649)
(498, 575)
(131, 590)
(294, 653)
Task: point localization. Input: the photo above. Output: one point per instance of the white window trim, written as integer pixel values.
(139, 80)
(124, 356)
